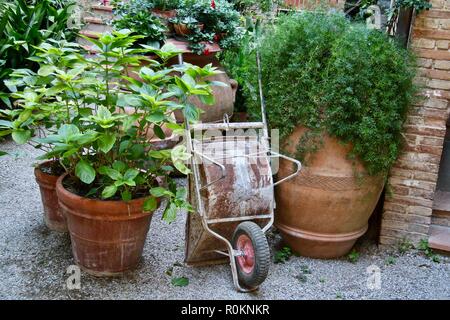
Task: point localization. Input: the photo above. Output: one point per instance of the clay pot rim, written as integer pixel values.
(38, 166)
(43, 178)
(74, 197)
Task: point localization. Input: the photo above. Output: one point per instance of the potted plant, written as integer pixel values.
(185, 26)
(343, 119)
(137, 16)
(35, 114)
(206, 21)
(165, 9)
(113, 180)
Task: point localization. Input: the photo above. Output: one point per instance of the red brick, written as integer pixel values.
(419, 228)
(412, 218)
(439, 84)
(432, 141)
(431, 34)
(425, 176)
(436, 14)
(435, 74)
(426, 131)
(411, 201)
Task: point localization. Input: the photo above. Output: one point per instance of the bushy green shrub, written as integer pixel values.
(137, 16)
(328, 74)
(25, 25)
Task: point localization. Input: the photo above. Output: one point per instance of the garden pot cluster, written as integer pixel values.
(105, 165)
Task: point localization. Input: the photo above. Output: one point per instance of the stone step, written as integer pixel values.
(100, 11)
(96, 24)
(441, 203)
(87, 33)
(439, 238)
(100, 7)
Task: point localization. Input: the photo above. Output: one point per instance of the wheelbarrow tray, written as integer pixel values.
(245, 193)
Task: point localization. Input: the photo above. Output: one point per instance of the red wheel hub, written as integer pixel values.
(247, 260)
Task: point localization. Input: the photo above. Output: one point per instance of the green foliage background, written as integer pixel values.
(325, 73)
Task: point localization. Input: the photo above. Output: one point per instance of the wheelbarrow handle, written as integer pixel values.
(221, 166)
(297, 171)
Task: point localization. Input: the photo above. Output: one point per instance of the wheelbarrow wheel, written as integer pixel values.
(253, 265)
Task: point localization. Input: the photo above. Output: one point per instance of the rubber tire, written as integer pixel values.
(262, 254)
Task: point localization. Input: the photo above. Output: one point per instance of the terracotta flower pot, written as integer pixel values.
(53, 217)
(323, 211)
(183, 30)
(107, 237)
(165, 14)
(224, 96)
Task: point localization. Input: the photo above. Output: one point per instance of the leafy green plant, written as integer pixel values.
(98, 117)
(239, 64)
(353, 83)
(302, 278)
(283, 255)
(305, 269)
(180, 282)
(221, 23)
(25, 25)
(404, 245)
(137, 16)
(165, 4)
(390, 260)
(425, 248)
(353, 256)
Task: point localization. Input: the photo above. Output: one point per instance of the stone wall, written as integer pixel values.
(409, 202)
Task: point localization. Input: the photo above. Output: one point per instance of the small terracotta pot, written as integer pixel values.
(183, 30)
(107, 237)
(165, 14)
(53, 217)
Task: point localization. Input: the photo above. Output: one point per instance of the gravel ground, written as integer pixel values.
(33, 260)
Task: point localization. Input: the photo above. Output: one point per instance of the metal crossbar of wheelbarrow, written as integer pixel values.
(261, 154)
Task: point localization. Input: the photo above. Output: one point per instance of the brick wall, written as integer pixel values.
(408, 209)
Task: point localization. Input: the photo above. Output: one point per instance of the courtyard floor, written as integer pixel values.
(33, 260)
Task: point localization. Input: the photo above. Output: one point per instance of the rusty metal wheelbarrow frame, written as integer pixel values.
(267, 153)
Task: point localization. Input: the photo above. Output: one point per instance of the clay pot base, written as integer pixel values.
(55, 226)
(108, 274)
(53, 216)
(317, 245)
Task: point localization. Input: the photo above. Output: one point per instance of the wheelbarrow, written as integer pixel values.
(232, 191)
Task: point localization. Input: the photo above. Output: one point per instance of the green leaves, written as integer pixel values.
(179, 156)
(85, 171)
(180, 282)
(109, 191)
(98, 118)
(150, 204)
(352, 83)
(21, 136)
(106, 142)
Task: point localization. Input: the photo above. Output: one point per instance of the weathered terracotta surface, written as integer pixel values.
(224, 96)
(323, 211)
(107, 237)
(53, 217)
(165, 14)
(246, 190)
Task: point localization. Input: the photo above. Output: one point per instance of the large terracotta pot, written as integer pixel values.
(53, 217)
(224, 96)
(323, 211)
(107, 237)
